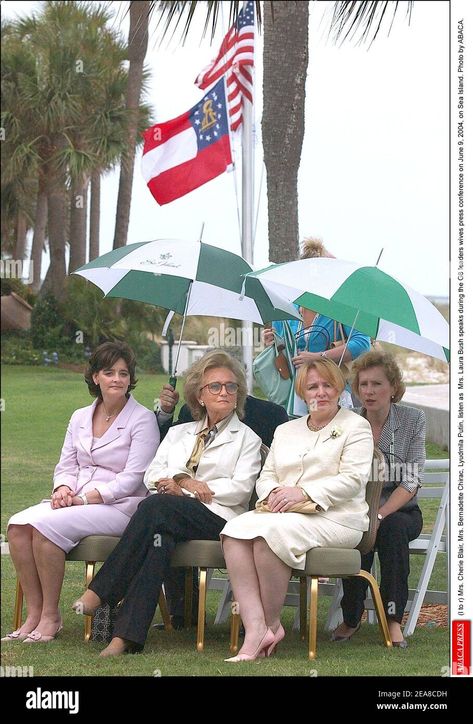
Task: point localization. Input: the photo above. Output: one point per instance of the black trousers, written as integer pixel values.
(175, 587)
(392, 544)
(136, 568)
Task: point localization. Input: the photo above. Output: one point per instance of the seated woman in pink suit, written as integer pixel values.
(97, 486)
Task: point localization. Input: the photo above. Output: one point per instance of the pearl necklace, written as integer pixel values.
(315, 428)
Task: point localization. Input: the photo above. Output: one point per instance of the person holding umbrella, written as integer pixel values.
(318, 335)
(203, 475)
(399, 432)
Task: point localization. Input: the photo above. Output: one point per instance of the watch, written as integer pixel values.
(83, 497)
(380, 517)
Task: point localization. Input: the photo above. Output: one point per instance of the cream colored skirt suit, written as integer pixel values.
(333, 466)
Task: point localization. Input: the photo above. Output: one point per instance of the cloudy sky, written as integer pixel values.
(374, 169)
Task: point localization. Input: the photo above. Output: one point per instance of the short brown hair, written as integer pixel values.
(379, 358)
(195, 374)
(326, 368)
(104, 358)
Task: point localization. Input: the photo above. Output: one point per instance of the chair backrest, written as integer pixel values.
(374, 487)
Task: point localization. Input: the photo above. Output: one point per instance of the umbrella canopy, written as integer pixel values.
(186, 276)
(363, 297)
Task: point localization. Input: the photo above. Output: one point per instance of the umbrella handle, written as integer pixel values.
(172, 382)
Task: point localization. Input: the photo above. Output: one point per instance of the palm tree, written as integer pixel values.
(68, 56)
(283, 120)
(286, 34)
(137, 47)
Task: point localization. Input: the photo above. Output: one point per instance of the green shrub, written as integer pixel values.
(47, 324)
(17, 349)
(148, 353)
(16, 285)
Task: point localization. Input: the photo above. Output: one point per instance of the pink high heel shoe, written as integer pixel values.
(15, 636)
(35, 637)
(278, 636)
(263, 645)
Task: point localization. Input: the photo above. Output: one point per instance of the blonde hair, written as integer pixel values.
(312, 248)
(379, 358)
(194, 376)
(326, 368)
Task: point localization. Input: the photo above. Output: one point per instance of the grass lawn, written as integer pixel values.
(38, 403)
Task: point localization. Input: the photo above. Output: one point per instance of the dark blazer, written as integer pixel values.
(262, 416)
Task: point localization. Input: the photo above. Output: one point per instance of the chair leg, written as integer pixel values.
(303, 607)
(201, 613)
(314, 589)
(163, 607)
(378, 604)
(89, 574)
(234, 629)
(188, 599)
(18, 613)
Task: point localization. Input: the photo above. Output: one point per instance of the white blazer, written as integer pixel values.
(229, 465)
(332, 465)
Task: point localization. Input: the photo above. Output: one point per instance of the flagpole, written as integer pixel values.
(247, 212)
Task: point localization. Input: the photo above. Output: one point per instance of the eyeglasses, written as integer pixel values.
(215, 388)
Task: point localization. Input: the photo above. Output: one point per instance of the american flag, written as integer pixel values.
(235, 58)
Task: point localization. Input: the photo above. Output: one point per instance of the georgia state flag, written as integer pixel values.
(182, 154)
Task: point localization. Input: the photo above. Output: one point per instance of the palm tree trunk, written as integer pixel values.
(285, 59)
(56, 274)
(78, 234)
(20, 241)
(137, 47)
(94, 229)
(39, 235)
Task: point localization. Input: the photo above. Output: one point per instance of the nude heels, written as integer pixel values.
(278, 636)
(15, 636)
(266, 642)
(82, 607)
(35, 637)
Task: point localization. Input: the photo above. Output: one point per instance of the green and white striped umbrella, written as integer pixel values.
(363, 297)
(187, 277)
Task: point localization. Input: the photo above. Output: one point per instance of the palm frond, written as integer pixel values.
(177, 12)
(356, 18)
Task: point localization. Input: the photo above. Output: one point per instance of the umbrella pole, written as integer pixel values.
(348, 338)
(182, 330)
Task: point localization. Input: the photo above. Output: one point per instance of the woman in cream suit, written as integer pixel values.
(203, 475)
(323, 459)
(399, 432)
(98, 484)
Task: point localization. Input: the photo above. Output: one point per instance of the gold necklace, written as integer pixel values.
(107, 416)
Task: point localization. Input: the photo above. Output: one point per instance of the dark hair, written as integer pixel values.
(104, 358)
